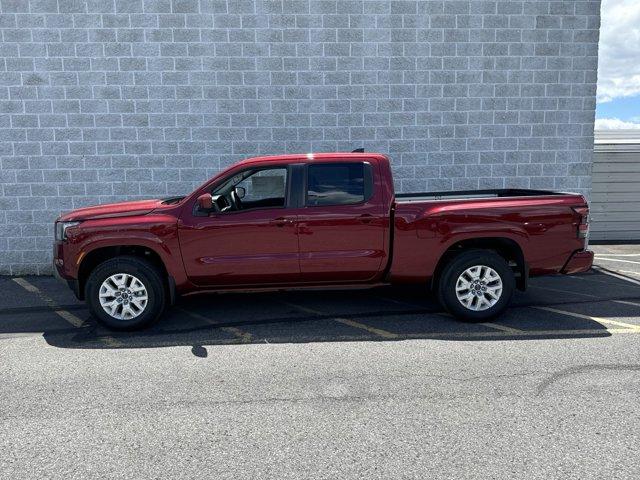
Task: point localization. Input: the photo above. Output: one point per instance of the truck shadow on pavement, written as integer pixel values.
(595, 304)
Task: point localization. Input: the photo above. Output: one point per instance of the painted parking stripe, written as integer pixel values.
(595, 319)
(630, 272)
(375, 331)
(622, 277)
(564, 291)
(617, 255)
(69, 317)
(38, 309)
(592, 280)
(26, 285)
(346, 321)
(494, 326)
(607, 259)
(387, 334)
(502, 328)
(627, 302)
(51, 303)
(236, 332)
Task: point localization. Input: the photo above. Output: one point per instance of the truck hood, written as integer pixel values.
(111, 210)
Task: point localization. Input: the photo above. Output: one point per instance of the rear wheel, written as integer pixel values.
(476, 285)
(125, 293)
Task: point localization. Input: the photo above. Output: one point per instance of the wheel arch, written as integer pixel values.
(507, 248)
(99, 254)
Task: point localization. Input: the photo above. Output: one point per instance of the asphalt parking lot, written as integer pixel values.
(314, 384)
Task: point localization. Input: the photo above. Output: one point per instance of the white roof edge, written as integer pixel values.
(613, 137)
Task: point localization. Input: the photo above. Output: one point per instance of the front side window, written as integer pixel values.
(263, 188)
(338, 184)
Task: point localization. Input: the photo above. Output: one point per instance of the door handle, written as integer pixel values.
(366, 218)
(281, 221)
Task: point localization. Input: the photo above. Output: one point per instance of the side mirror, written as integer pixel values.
(205, 202)
(241, 192)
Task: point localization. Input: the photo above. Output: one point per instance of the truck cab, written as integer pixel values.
(279, 221)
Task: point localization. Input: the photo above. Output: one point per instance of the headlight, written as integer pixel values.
(61, 229)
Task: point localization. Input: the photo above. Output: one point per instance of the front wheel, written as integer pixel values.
(125, 293)
(476, 285)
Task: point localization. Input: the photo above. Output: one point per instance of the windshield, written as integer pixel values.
(227, 186)
(172, 200)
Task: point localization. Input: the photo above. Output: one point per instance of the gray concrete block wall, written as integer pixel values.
(104, 100)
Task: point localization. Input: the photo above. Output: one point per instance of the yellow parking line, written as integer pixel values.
(26, 285)
(64, 314)
(346, 321)
(70, 317)
(495, 326)
(243, 336)
(109, 341)
(362, 326)
(502, 328)
(50, 302)
(595, 319)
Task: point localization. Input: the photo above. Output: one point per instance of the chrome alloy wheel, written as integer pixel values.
(123, 296)
(479, 288)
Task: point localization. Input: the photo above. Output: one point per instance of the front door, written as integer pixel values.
(342, 226)
(252, 241)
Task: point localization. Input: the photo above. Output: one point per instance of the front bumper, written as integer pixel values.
(58, 262)
(72, 283)
(59, 273)
(56, 272)
(579, 262)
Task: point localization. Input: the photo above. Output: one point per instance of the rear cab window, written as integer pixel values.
(348, 183)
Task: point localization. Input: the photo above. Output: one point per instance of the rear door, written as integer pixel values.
(253, 242)
(341, 227)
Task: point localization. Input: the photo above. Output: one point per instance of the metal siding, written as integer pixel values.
(615, 198)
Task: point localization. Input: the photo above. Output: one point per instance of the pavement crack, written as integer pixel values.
(568, 372)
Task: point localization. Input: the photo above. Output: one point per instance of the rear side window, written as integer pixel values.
(338, 183)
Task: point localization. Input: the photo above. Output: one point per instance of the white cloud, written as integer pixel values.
(619, 68)
(615, 124)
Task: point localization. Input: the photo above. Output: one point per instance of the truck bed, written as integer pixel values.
(472, 194)
(542, 224)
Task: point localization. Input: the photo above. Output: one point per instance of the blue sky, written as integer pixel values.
(626, 109)
(619, 65)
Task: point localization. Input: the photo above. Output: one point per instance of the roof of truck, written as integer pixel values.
(312, 157)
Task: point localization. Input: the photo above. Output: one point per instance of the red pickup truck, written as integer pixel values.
(317, 220)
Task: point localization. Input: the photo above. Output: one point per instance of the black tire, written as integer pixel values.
(446, 286)
(141, 269)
